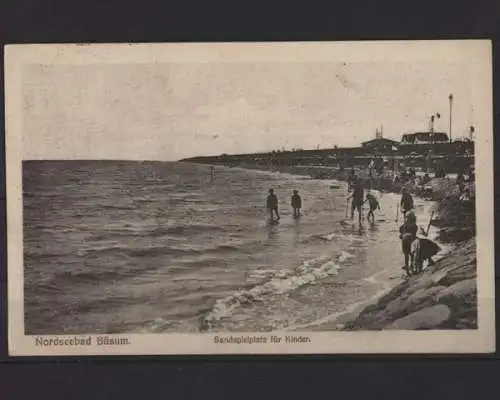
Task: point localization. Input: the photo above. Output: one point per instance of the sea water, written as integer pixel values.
(115, 247)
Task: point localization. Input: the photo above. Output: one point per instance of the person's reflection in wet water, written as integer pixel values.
(296, 230)
(272, 232)
(373, 227)
(358, 230)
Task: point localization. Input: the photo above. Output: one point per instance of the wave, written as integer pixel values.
(157, 251)
(333, 236)
(154, 251)
(117, 207)
(278, 283)
(34, 256)
(132, 270)
(184, 230)
(92, 276)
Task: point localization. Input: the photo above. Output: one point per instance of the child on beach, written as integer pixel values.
(423, 249)
(357, 197)
(296, 203)
(351, 179)
(272, 205)
(406, 201)
(407, 234)
(374, 205)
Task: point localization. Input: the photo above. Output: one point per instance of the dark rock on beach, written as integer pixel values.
(444, 296)
(426, 318)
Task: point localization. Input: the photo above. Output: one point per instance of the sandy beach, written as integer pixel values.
(444, 295)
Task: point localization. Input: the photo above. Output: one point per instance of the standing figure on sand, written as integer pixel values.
(423, 249)
(374, 205)
(406, 202)
(407, 234)
(272, 205)
(358, 199)
(296, 203)
(416, 247)
(351, 179)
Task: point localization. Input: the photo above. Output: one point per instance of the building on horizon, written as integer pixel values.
(380, 144)
(423, 138)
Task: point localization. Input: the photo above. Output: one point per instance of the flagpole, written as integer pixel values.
(450, 98)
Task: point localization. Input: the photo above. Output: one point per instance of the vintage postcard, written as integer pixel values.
(250, 198)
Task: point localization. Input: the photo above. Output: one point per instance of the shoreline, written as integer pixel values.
(443, 296)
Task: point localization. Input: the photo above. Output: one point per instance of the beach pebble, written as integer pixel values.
(396, 307)
(423, 297)
(459, 273)
(421, 282)
(469, 321)
(459, 293)
(428, 280)
(438, 276)
(426, 318)
(408, 303)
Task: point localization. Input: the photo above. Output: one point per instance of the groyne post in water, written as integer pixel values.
(212, 174)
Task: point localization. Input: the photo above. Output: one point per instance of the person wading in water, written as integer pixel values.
(272, 205)
(296, 204)
(406, 201)
(357, 197)
(351, 179)
(374, 205)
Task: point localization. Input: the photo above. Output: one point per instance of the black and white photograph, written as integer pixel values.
(250, 198)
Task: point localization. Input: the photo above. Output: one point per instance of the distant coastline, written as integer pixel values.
(451, 157)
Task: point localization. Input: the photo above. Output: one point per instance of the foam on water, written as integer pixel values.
(329, 236)
(279, 282)
(331, 318)
(333, 236)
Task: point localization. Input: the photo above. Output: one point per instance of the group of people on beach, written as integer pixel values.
(466, 184)
(358, 200)
(357, 196)
(272, 204)
(416, 246)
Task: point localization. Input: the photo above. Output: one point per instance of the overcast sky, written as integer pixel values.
(169, 111)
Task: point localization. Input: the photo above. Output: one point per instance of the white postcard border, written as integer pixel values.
(473, 341)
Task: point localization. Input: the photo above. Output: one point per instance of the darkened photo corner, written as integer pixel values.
(249, 197)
